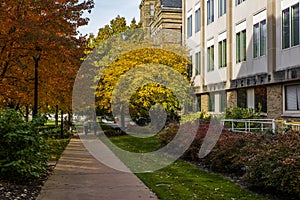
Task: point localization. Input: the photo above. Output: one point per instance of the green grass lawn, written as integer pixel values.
(182, 180)
(56, 147)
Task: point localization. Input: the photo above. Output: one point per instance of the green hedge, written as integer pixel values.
(22, 147)
(262, 160)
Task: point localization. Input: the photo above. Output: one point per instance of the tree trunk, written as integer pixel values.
(36, 84)
(62, 124)
(56, 115)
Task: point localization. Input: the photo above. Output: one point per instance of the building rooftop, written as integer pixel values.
(171, 3)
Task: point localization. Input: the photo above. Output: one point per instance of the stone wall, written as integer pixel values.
(231, 99)
(275, 101)
(204, 102)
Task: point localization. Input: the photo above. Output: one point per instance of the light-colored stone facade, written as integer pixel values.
(259, 78)
(275, 101)
(231, 99)
(204, 102)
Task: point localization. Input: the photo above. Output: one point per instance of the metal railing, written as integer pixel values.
(249, 125)
(255, 125)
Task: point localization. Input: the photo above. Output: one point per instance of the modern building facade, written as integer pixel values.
(245, 53)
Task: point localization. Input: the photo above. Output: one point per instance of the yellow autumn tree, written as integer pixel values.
(142, 78)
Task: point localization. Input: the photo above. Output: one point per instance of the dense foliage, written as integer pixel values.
(22, 147)
(261, 159)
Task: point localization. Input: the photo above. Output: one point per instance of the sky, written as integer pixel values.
(106, 10)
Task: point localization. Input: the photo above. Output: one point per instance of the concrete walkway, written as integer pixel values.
(78, 175)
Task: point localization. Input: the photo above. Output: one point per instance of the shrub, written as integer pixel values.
(263, 160)
(22, 147)
(276, 164)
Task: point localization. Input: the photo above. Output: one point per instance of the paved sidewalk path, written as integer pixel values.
(78, 175)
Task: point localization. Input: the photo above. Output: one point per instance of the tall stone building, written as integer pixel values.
(158, 15)
(245, 53)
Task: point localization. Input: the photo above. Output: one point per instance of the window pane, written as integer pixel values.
(197, 20)
(151, 9)
(243, 45)
(212, 58)
(238, 49)
(255, 40)
(242, 98)
(260, 98)
(197, 63)
(223, 101)
(295, 25)
(208, 12)
(220, 54)
(190, 28)
(263, 38)
(224, 53)
(208, 59)
(286, 28)
(211, 103)
(291, 97)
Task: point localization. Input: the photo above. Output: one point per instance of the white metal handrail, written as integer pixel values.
(263, 123)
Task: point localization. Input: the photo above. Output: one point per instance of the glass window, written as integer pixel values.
(238, 47)
(263, 38)
(222, 54)
(189, 26)
(295, 25)
(292, 97)
(210, 58)
(190, 69)
(256, 40)
(290, 26)
(241, 46)
(151, 9)
(237, 2)
(210, 11)
(260, 99)
(211, 103)
(286, 28)
(223, 101)
(260, 39)
(197, 63)
(197, 20)
(242, 98)
(222, 7)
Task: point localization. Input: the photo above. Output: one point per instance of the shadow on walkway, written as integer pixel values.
(78, 175)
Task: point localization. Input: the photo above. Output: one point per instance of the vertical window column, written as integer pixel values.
(210, 58)
(189, 26)
(260, 39)
(197, 63)
(222, 53)
(197, 20)
(241, 46)
(210, 11)
(290, 27)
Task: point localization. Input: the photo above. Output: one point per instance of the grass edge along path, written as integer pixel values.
(182, 180)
